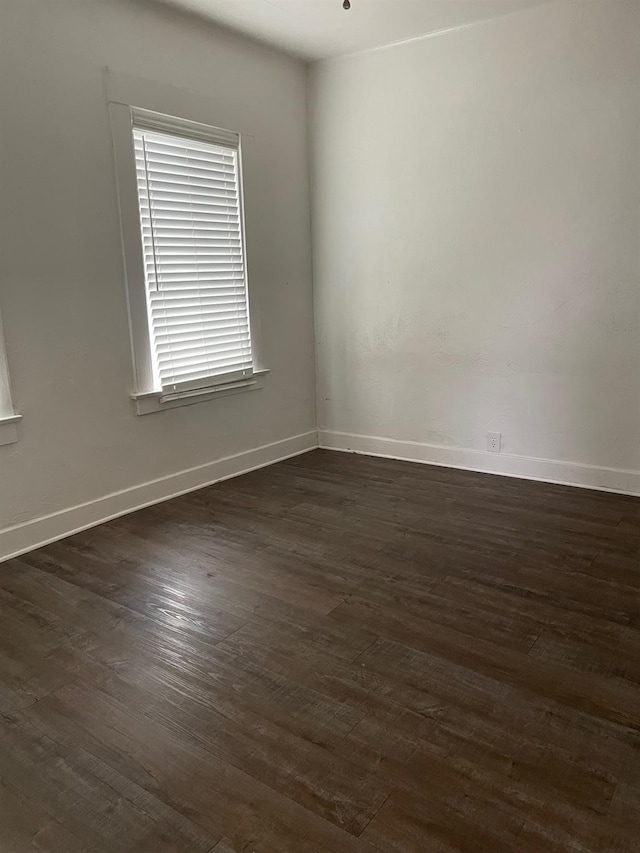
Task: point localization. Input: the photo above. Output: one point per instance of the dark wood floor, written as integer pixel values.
(337, 654)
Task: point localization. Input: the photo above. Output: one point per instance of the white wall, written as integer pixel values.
(62, 292)
(476, 210)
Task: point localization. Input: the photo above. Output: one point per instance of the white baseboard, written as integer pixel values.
(524, 467)
(49, 528)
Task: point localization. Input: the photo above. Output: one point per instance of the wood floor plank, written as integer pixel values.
(607, 699)
(291, 763)
(413, 824)
(590, 651)
(336, 654)
(350, 682)
(184, 776)
(26, 826)
(89, 799)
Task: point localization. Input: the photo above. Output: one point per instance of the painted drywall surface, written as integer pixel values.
(62, 288)
(476, 212)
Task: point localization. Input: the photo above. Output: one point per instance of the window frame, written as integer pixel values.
(9, 419)
(147, 395)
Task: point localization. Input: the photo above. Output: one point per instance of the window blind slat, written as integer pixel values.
(206, 272)
(207, 168)
(174, 147)
(178, 222)
(176, 253)
(186, 298)
(175, 325)
(175, 322)
(220, 185)
(188, 193)
(174, 319)
(194, 358)
(193, 329)
(189, 342)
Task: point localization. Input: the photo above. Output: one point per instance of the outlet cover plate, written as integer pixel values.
(494, 442)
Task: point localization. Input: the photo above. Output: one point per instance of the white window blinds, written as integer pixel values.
(190, 204)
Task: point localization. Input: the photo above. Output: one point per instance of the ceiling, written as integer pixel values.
(315, 29)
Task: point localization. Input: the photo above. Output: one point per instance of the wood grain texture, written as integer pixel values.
(337, 654)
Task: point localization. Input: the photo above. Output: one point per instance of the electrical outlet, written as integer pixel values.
(494, 442)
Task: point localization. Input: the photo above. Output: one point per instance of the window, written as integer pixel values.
(8, 418)
(185, 259)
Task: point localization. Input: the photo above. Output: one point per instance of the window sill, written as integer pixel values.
(147, 404)
(9, 429)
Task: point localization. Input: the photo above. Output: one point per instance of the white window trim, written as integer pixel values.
(8, 418)
(149, 399)
(156, 401)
